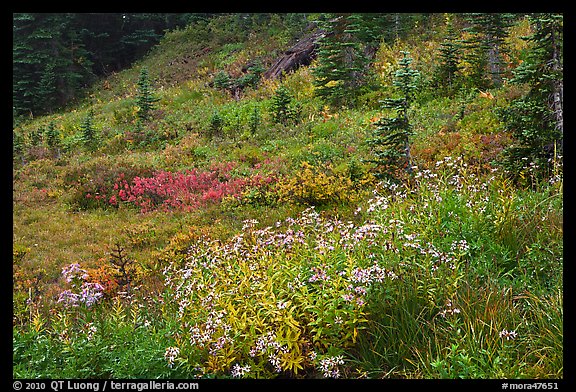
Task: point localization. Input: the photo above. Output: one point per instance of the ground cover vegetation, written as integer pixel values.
(393, 209)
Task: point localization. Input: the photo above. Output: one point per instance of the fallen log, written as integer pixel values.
(301, 54)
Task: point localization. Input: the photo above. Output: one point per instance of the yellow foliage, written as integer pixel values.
(313, 185)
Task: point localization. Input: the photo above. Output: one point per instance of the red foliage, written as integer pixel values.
(184, 190)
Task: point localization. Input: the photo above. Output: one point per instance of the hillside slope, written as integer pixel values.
(240, 230)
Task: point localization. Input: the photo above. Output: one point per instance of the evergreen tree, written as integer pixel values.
(536, 119)
(35, 137)
(145, 99)
(216, 125)
(49, 63)
(254, 120)
(486, 47)
(55, 55)
(282, 108)
(391, 138)
(447, 73)
(340, 60)
(18, 144)
(397, 25)
(52, 137)
(88, 132)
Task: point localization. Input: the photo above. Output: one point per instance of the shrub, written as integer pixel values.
(216, 125)
(283, 108)
(183, 191)
(89, 184)
(260, 304)
(315, 186)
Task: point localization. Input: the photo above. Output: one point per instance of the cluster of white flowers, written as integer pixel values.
(449, 310)
(505, 334)
(171, 354)
(267, 344)
(461, 246)
(238, 371)
(329, 366)
(90, 330)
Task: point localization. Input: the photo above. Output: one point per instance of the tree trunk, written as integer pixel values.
(494, 62)
(558, 90)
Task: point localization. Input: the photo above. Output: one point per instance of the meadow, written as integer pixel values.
(218, 242)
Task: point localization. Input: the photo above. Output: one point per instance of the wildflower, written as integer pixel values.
(171, 354)
(282, 304)
(360, 275)
(329, 366)
(348, 297)
(238, 371)
(91, 329)
(318, 275)
(91, 293)
(73, 271)
(275, 361)
(360, 290)
(450, 309)
(64, 336)
(68, 298)
(249, 224)
(461, 245)
(508, 334)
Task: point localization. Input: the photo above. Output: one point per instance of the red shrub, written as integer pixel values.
(185, 190)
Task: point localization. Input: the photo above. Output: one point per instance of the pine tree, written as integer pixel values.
(89, 136)
(282, 108)
(17, 144)
(536, 119)
(486, 47)
(341, 62)
(216, 125)
(254, 120)
(145, 99)
(447, 73)
(50, 63)
(55, 55)
(52, 137)
(391, 138)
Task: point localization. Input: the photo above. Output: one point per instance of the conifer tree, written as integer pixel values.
(55, 55)
(254, 120)
(282, 108)
(18, 145)
(52, 136)
(447, 72)
(340, 60)
(391, 138)
(216, 125)
(536, 119)
(486, 47)
(145, 99)
(47, 61)
(88, 132)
